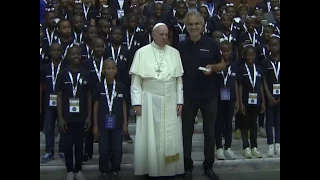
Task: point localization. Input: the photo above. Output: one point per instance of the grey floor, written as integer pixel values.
(270, 174)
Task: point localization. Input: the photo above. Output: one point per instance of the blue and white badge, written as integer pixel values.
(225, 94)
(110, 122)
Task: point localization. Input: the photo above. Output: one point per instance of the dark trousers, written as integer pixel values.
(128, 105)
(110, 141)
(89, 139)
(237, 121)
(225, 112)
(261, 120)
(42, 118)
(43, 112)
(208, 110)
(249, 122)
(74, 136)
(49, 130)
(273, 120)
(88, 142)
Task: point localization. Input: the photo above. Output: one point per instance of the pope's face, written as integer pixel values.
(160, 35)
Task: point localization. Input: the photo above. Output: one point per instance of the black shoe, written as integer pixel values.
(127, 138)
(187, 175)
(104, 176)
(211, 174)
(86, 158)
(115, 176)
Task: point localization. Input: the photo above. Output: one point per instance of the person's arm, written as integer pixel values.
(59, 89)
(136, 93)
(125, 119)
(95, 99)
(179, 95)
(220, 65)
(40, 96)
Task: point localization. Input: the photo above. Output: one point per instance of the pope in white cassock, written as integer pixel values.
(157, 99)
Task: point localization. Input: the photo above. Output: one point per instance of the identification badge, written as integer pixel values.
(53, 100)
(225, 94)
(120, 13)
(253, 98)
(276, 89)
(110, 121)
(182, 37)
(74, 105)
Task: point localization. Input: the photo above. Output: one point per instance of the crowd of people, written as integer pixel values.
(165, 61)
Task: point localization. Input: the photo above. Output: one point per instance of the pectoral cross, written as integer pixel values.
(158, 70)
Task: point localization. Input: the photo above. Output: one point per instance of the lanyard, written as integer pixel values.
(252, 39)
(231, 27)
(262, 29)
(210, 11)
(206, 27)
(110, 101)
(89, 53)
(49, 36)
(276, 70)
(121, 3)
(131, 39)
(113, 55)
(150, 40)
(98, 72)
(278, 30)
(225, 77)
(253, 82)
(85, 11)
(54, 75)
(40, 51)
(229, 39)
(66, 49)
(76, 37)
(74, 85)
(181, 28)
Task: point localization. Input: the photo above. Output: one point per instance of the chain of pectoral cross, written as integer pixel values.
(158, 70)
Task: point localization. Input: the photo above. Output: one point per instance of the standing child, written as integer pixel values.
(65, 36)
(159, 14)
(277, 20)
(110, 120)
(90, 33)
(74, 111)
(63, 9)
(217, 36)
(204, 11)
(78, 26)
(133, 38)
(148, 30)
(251, 100)
(271, 67)
(94, 66)
(119, 53)
(228, 103)
(230, 34)
(103, 13)
(177, 29)
(49, 77)
(44, 48)
(250, 33)
(50, 28)
(258, 13)
(88, 8)
(263, 52)
(231, 11)
(104, 30)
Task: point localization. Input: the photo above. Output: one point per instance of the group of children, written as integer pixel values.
(86, 51)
